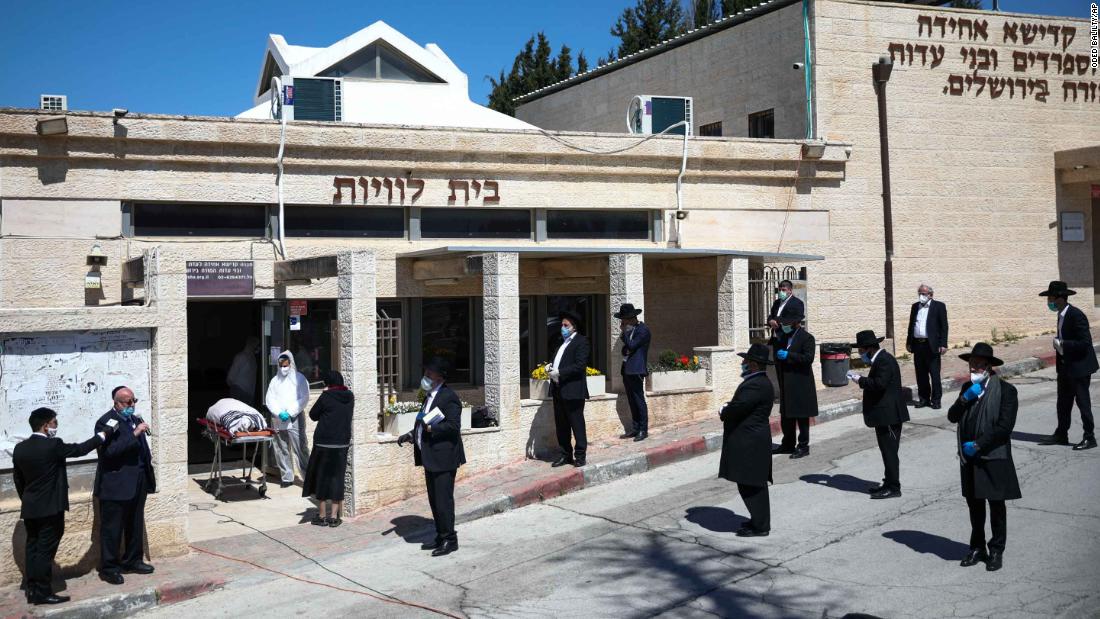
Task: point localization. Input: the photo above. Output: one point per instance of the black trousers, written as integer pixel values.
(788, 424)
(889, 440)
(122, 521)
(569, 424)
(441, 498)
(760, 511)
(1070, 389)
(998, 520)
(635, 396)
(927, 363)
(43, 538)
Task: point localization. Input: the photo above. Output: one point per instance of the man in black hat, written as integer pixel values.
(797, 388)
(747, 438)
(42, 482)
(437, 446)
(569, 389)
(927, 341)
(1075, 362)
(785, 304)
(635, 338)
(883, 408)
(986, 413)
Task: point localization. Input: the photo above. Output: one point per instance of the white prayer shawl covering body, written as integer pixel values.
(236, 416)
(288, 393)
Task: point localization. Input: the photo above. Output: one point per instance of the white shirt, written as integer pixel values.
(561, 349)
(779, 312)
(427, 408)
(875, 356)
(920, 327)
(1062, 319)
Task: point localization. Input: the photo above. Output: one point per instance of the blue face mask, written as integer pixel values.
(745, 370)
(866, 358)
(788, 328)
(127, 412)
(1051, 306)
(565, 332)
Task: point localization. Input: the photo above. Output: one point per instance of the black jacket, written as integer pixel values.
(994, 439)
(571, 383)
(123, 459)
(332, 411)
(1078, 355)
(991, 474)
(795, 307)
(635, 350)
(799, 389)
(883, 401)
(442, 446)
(746, 435)
(41, 479)
(935, 326)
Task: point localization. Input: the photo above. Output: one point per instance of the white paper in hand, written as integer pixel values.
(433, 417)
(112, 423)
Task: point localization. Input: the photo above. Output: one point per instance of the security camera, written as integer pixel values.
(681, 215)
(848, 152)
(120, 112)
(797, 66)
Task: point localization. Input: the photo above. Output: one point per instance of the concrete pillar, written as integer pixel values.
(627, 283)
(723, 368)
(733, 302)
(355, 311)
(500, 289)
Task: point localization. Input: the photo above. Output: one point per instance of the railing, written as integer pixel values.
(390, 375)
(763, 281)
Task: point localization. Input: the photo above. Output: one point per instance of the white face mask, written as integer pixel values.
(51, 432)
(978, 377)
(426, 383)
(285, 370)
(923, 298)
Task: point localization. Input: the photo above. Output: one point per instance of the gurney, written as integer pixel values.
(222, 437)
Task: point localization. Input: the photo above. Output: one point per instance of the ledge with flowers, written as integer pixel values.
(400, 417)
(540, 382)
(673, 372)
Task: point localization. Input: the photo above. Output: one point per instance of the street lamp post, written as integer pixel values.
(880, 71)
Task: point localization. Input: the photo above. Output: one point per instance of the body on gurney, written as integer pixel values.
(232, 422)
(236, 416)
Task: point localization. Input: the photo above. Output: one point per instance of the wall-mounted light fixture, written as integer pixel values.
(813, 150)
(53, 125)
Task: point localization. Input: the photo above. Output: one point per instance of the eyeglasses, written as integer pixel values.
(129, 402)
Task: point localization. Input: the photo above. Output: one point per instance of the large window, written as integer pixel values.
(589, 224)
(380, 62)
(239, 220)
(445, 331)
(474, 223)
(762, 124)
(711, 130)
(336, 221)
(311, 339)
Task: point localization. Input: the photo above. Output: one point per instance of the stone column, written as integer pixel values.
(500, 289)
(627, 283)
(355, 311)
(733, 302)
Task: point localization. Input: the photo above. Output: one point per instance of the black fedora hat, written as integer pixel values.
(572, 316)
(866, 338)
(981, 349)
(627, 310)
(758, 353)
(439, 365)
(1057, 289)
(791, 317)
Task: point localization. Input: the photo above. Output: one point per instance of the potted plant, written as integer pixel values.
(540, 382)
(672, 372)
(597, 385)
(400, 417)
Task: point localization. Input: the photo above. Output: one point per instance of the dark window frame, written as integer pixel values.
(711, 130)
(139, 229)
(762, 124)
(553, 230)
(430, 229)
(348, 214)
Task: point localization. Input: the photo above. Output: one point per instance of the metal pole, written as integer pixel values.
(881, 73)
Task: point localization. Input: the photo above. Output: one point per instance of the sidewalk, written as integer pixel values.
(509, 487)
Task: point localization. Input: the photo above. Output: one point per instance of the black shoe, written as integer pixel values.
(875, 488)
(996, 560)
(1088, 443)
(935, 406)
(975, 556)
(445, 548)
(1055, 439)
(800, 452)
(629, 435)
(113, 578)
(285, 484)
(750, 532)
(886, 493)
(643, 435)
(783, 449)
(432, 545)
(562, 461)
(922, 404)
(138, 568)
(333, 522)
(579, 462)
(318, 521)
(48, 599)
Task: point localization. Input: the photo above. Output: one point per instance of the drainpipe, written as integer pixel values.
(880, 71)
(807, 68)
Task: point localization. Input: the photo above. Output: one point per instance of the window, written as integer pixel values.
(312, 343)
(317, 99)
(336, 221)
(271, 69)
(244, 220)
(762, 124)
(473, 223)
(54, 103)
(591, 224)
(711, 130)
(445, 329)
(379, 61)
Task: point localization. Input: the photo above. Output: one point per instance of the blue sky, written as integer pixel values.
(205, 59)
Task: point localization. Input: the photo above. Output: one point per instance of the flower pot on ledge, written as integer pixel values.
(680, 379)
(403, 422)
(539, 389)
(597, 385)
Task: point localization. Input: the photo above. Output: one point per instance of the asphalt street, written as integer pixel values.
(662, 543)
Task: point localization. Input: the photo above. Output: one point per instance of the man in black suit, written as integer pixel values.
(1075, 362)
(123, 478)
(927, 341)
(747, 439)
(635, 338)
(569, 389)
(437, 446)
(883, 408)
(38, 466)
(798, 389)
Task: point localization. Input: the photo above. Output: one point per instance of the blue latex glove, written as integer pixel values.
(781, 355)
(284, 416)
(970, 449)
(973, 392)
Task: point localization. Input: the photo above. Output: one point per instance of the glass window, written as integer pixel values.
(710, 130)
(311, 343)
(379, 62)
(337, 221)
(589, 224)
(762, 124)
(244, 220)
(446, 330)
(361, 64)
(474, 223)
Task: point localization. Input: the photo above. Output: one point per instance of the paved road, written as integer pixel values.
(662, 543)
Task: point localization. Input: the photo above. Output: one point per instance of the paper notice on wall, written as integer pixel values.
(295, 323)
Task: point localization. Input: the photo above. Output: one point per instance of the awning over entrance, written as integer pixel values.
(578, 252)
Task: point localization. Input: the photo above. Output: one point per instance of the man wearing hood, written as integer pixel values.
(287, 396)
(241, 377)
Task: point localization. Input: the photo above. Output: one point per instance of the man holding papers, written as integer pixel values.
(437, 446)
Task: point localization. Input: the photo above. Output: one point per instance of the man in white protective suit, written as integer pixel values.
(287, 397)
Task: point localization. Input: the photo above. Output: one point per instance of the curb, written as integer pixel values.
(126, 604)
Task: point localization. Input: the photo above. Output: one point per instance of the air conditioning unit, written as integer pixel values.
(313, 98)
(650, 114)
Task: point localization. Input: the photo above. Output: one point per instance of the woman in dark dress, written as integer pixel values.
(329, 460)
(986, 413)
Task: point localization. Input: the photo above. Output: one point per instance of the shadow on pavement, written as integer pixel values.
(413, 529)
(847, 483)
(927, 543)
(1028, 437)
(716, 519)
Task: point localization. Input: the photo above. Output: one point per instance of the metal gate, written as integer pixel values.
(390, 375)
(763, 281)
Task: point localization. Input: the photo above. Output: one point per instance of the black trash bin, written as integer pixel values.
(835, 359)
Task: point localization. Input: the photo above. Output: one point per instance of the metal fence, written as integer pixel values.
(763, 280)
(390, 375)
